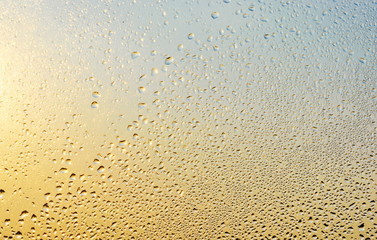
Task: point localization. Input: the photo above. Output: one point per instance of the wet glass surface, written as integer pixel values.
(188, 119)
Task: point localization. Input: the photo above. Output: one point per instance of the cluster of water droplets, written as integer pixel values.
(196, 120)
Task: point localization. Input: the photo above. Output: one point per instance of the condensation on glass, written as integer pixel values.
(226, 119)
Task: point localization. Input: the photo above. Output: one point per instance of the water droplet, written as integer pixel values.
(142, 105)
(191, 36)
(142, 89)
(264, 19)
(180, 47)
(24, 214)
(215, 15)
(101, 169)
(142, 77)
(135, 136)
(362, 60)
(94, 104)
(18, 235)
(96, 94)
(169, 60)
(135, 55)
(154, 71)
(122, 143)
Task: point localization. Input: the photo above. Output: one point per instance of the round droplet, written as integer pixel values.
(94, 104)
(96, 94)
(135, 136)
(154, 71)
(180, 47)
(18, 235)
(215, 15)
(191, 36)
(153, 53)
(169, 60)
(142, 89)
(135, 55)
(122, 143)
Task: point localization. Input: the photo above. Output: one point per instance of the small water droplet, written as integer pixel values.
(362, 60)
(18, 235)
(142, 89)
(94, 104)
(96, 94)
(142, 77)
(135, 55)
(142, 105)
(154, 71)
(101, 169)
(122, 143)
(264, 19)
(180, 47)
(191, 36)
(169, 60)
(24, 214)
(135, 136)
(215, 15)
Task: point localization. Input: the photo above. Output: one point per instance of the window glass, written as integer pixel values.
(188, 119)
